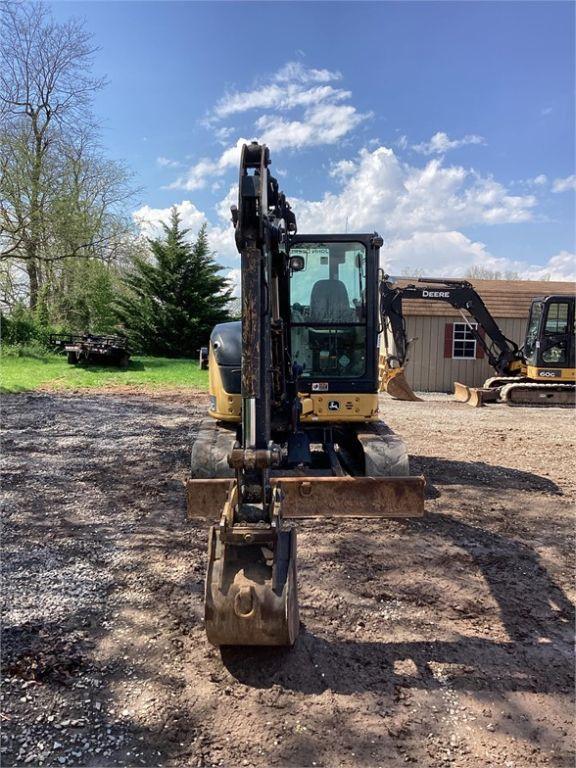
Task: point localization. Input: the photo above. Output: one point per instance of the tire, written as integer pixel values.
(72, 358)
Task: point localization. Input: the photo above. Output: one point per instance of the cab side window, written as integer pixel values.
(557, 318)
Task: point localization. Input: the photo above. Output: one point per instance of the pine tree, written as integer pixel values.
(173, 300)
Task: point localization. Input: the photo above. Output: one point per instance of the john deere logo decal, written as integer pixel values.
(333, 405)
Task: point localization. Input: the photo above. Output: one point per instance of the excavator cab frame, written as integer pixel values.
(345, 314)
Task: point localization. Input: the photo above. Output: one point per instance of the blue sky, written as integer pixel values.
(448, 127)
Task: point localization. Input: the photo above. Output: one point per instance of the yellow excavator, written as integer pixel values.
(540, 373)
(293, 427)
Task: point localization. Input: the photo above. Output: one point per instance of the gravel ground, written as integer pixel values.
(438, 642)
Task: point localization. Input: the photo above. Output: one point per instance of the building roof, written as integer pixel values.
(504, 298)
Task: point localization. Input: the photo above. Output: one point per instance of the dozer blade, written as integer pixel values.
(475, 396)
(395, 385)
(461, 392)
(387, 497)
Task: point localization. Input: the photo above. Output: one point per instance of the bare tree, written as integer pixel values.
(415, 272)
(484, 273)
(59, 196)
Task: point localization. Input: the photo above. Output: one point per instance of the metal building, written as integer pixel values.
(444, 350)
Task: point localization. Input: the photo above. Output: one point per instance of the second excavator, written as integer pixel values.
(293, 429)
(540, 373)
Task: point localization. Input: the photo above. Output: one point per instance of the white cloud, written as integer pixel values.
(452, 254)
(561, 266)
(564, 185)
(342, 169)
(419, 211)
(320, 118)
(150, 220)
(441, 143)
(400, 199)
(165, 162)
(441, 254)
(420, 207)
(402, 142)
(322, 124)
(220, 237)
(235, 277)
(296, 71)
(447, 253)
(223, 134)
(291, 86)
(196, 176)
(278, 97)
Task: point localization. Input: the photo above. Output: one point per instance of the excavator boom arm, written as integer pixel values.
(461, 295)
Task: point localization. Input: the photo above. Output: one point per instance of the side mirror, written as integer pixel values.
(297, 263)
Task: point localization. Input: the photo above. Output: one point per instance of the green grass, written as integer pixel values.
(27, 371)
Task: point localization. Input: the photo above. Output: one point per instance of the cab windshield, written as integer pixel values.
(533, 331)
(328, 309)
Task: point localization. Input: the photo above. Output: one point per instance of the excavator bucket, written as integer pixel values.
(394, 384)
(474, 396)
(251, 591)
(462, 393)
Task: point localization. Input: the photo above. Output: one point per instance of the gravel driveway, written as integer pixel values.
(439, 642)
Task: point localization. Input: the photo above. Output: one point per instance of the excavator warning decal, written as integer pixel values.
(320, 386)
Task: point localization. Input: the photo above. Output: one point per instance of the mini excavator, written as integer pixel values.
(293, 429)
(540, 373)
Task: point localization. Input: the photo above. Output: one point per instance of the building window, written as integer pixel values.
(463, 341)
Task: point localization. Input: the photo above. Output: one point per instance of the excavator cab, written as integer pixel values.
(332, 312)
(549, 346)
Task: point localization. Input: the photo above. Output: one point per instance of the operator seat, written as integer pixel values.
(329, 302)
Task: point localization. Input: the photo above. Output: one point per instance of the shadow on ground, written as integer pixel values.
(479, 473)
(536, 613)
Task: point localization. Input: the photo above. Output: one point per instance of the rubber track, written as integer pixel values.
(501, 381)
(210, 450)
(535, 388)
(385, 453)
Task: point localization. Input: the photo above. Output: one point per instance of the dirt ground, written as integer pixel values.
(443, 641)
